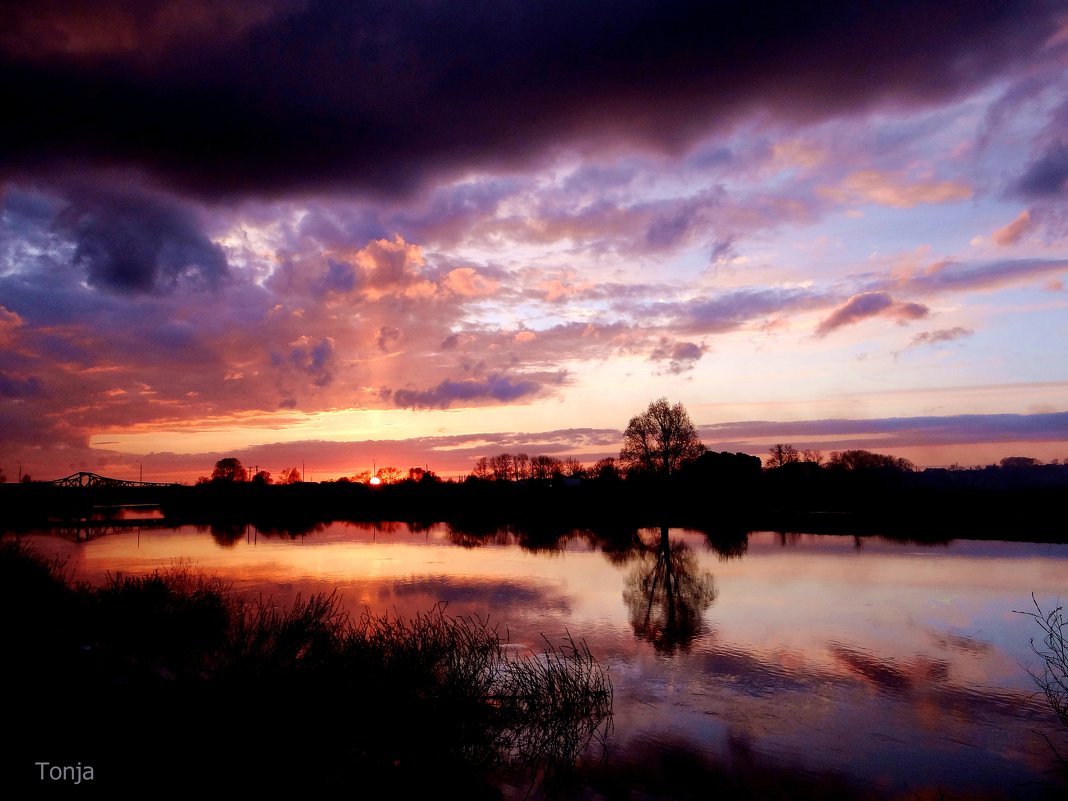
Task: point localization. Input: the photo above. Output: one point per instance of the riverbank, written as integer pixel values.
(927, 506)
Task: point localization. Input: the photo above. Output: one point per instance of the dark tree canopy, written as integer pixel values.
(781, 455)
(866, 460)
(660, 440)
(229, 469)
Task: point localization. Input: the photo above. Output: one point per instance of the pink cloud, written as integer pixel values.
(468, 282)
(866, 305)
(9, 322)
(941, 335)
(1012, 233)
(898, 191)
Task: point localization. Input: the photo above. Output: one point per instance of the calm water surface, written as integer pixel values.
(892, 669)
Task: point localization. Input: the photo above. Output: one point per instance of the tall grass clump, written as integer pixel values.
(554, 705)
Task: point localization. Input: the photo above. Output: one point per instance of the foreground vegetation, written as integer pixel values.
(169, 680)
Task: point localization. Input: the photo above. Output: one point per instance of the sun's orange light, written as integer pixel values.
(374, 481)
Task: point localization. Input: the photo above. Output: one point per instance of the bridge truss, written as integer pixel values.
(84, 479)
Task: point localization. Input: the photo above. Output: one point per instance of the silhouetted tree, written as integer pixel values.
(812, 456)
(521, 466)
(866, 460)
(731, 471)
(389, 475)
(501, 465)
(262, 477)
(545, 467)
(660, 440)
(482, 468)
(605, 469)
(781, 455)
(229, 469)
(666, 596)
(573, 468)
(1018, 462)
(290, 476)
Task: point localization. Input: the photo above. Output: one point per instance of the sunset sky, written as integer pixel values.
(419, 233)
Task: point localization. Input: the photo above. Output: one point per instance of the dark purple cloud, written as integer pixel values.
(1048, 176)
(126, 242)
(500, 388)
(955, 276)
(135, 245)
(339, 277)
(680, 356)
(894, 432)
(722, 251)
(246, 97)
(17, 387)
(316, 359)
(732, 309)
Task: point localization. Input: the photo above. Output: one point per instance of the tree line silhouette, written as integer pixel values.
(663, 475)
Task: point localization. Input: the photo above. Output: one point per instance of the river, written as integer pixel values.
(859, 666)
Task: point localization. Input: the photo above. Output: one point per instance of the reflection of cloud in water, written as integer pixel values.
(921, 690)
(877, 715)
(890, 675)
(496, 593)
(663, 764)
(962, 643)
(755, 677)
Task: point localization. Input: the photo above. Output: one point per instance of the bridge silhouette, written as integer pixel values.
(84, 479)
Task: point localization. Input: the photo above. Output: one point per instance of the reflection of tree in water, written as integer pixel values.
(227, 534)
(729, 543)
(666, 596)
(475, 535)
